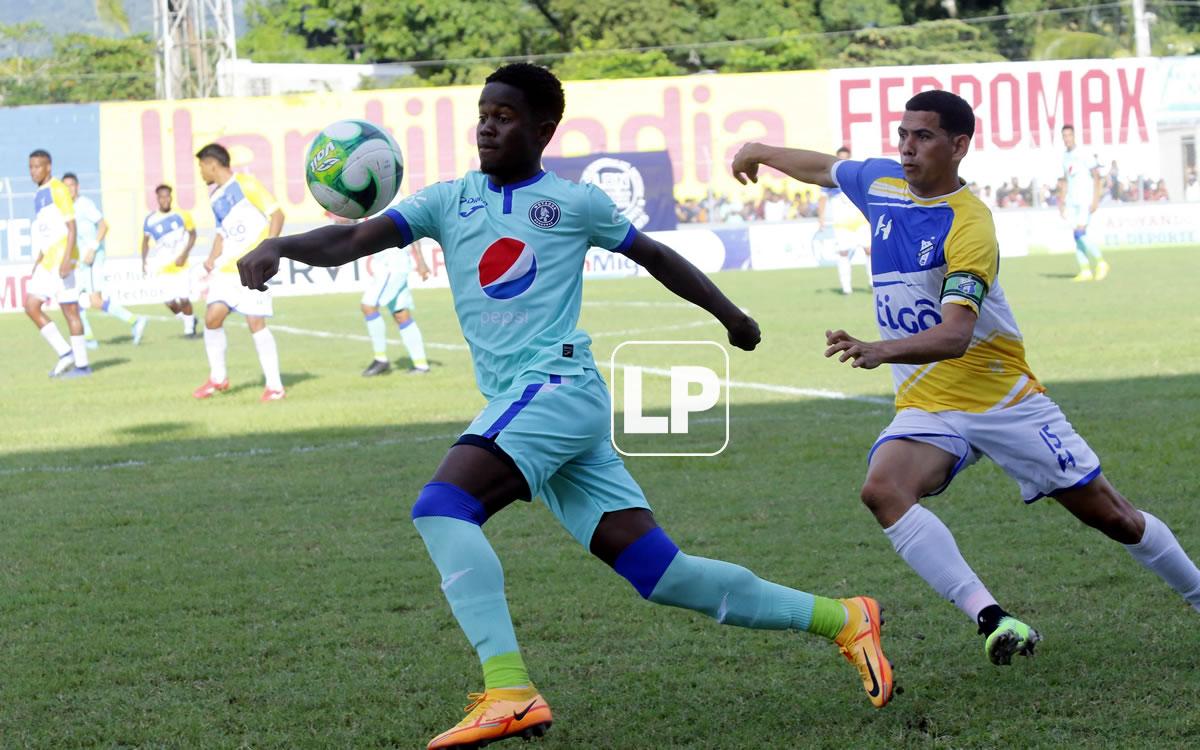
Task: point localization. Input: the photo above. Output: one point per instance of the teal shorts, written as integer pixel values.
(389, 290)
(556, 429)
(90, 276)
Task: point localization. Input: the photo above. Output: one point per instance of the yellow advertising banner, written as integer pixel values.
(699, 120)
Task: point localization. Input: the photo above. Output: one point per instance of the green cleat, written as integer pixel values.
(1010, 637)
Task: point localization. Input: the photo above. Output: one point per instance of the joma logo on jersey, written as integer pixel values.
(323, 161)
(882, 228)
(922, 316)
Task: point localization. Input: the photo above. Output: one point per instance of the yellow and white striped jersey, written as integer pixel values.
(53, 207)
(243, 208)
(927, 253)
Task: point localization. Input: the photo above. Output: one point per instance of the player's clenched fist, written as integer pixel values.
(260, 264)
(744, 333)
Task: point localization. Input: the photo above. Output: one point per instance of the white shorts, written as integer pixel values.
(227, 289)
(91, 278)
(1079, 215)
(1032, 441)
(50, 286)
(388, 290)
(176, 285)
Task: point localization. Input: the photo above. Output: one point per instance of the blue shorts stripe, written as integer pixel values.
(386, 280)
(512, 411)
(644, 562)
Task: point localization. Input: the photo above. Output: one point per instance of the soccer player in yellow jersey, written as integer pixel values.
(246, 215)
(170, 233)
(963, 389)
(53, 236)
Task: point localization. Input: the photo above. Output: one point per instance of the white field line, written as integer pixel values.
(346, 444)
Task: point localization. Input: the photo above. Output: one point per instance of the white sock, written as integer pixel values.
(410, 336)
(214, 346)
(189, 324)
(928, 547)
(1159, 551)
(79, 348)
(268, 357)
(54, 339)
(843, 267)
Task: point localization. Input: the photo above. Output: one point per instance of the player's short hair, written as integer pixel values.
(843, 150)
(954, 114)
(39, 153)
(543, 91)
(1067, 127)
(70, 176)
(163, 186)
(216, 152)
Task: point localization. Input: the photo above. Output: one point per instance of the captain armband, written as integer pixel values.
(964, 285)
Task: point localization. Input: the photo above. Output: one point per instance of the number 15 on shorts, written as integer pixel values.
(670, 398)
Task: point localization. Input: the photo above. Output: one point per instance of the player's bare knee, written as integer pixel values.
(885, 498)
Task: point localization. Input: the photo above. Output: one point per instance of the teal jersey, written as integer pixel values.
(87, 226)
(514, 255)
(1077, 171)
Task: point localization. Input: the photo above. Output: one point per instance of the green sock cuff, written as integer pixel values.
(505, 670)
(829, 616)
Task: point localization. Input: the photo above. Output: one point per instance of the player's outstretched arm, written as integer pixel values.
(678, 275)
(807, 166)
(946, 340)
(333, 245)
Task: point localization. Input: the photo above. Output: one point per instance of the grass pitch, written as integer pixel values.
(228, 573)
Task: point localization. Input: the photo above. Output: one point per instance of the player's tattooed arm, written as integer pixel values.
(685, 280)
(807, 166)
(334, 245)
(946, 340)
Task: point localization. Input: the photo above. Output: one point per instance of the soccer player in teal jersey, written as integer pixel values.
(514, 239)
(1078, 198)
(91, 229)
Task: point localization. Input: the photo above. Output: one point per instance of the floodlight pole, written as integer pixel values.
(194, 37)
(1141, 29)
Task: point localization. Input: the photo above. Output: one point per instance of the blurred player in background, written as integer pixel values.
(91, 229)
(246, 214)
(851, 235)
(1078, 198)
(963, 388)
(388, 288)
(170, 234)
(55, 258)
(545, 431)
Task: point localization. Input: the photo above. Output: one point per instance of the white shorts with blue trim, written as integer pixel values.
(227, 289)
(1032, 441)
(556, 429)
(50, 286)
(389, 290)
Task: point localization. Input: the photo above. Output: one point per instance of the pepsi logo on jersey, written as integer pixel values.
(507, 268)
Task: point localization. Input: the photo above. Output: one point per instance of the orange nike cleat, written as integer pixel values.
(859, 643)
(272, 395)
(209, 388)
(496, 715)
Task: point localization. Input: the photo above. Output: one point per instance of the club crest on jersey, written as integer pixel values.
(882, 228)
(507, 268)
(925, 253)
(545, 214)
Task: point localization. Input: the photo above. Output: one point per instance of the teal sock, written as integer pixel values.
(378, 333)
(411, 336)
(473, 583)
(1092, 248)
(117, 311)
(732, 595)
(1081, 255)
(87, 326)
